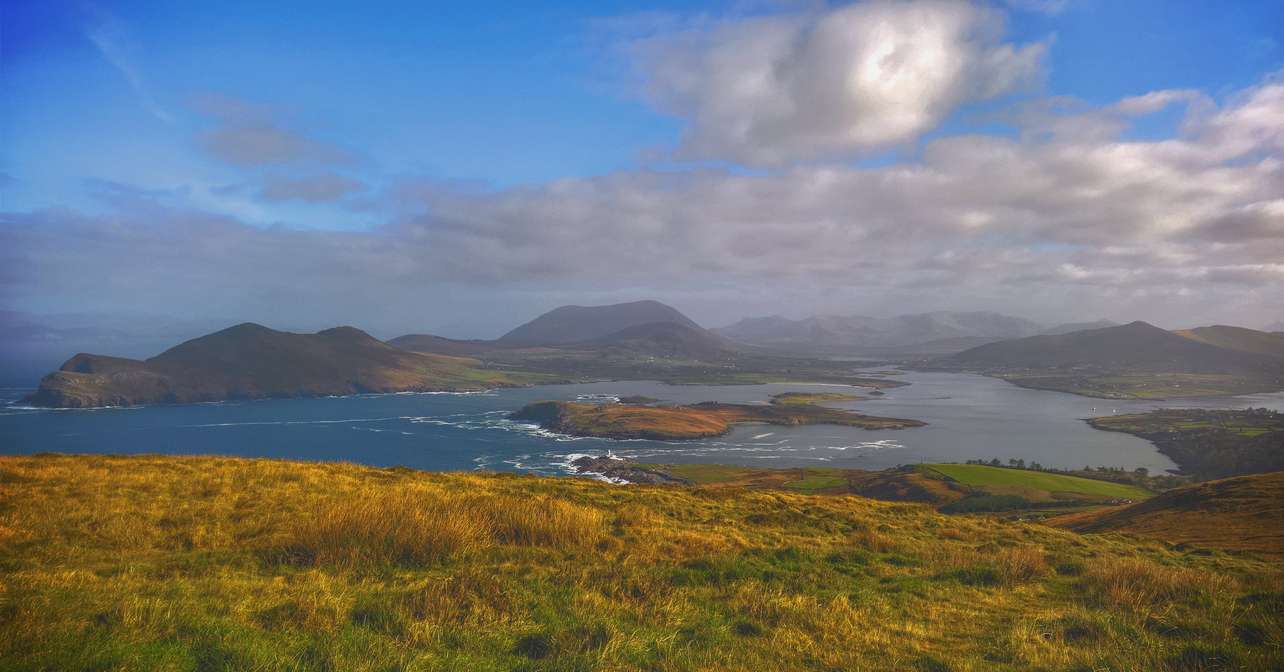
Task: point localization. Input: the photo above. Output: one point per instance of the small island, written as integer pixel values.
(695, 421)
(804, 398)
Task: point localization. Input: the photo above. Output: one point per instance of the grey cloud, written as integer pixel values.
(775, 89)
(265, 143)
(248, 135)
(322, 188)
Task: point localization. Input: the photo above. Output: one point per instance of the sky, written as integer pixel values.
(458, 168)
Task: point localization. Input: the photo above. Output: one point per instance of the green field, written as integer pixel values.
(992, 478)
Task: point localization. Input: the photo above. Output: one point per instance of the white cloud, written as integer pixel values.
(110, 36)
(775, 89)
(1177, 229)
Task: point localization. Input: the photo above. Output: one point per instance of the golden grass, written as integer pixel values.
(209, 563)
(1136, 583)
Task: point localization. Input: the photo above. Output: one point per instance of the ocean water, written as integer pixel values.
(969, 417)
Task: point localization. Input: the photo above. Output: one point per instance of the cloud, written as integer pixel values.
(110, 36)
(774, 89)
(324, 188)
(1051, 225)
(247, 135)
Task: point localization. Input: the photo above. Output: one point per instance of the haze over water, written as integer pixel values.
(969, 417)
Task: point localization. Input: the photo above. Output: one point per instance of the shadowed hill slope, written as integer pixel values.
(1240, 513)
(252, 361)
(667, 339)
(1238, 338)
(573, 324)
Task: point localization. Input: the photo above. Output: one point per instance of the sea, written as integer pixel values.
(969, 417)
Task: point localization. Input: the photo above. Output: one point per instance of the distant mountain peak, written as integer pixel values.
(573, 324)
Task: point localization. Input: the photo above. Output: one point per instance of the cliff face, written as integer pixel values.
(250, 361)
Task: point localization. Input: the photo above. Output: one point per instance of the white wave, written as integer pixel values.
(763, 436)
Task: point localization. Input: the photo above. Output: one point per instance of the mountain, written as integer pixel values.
(1070, 327)
(1240, 513)
(1238, 338)
(946, 331)
(1137, 346)
(1275, 327)
(32, 345)
(573, 324)
(252, 361)
(670, 340)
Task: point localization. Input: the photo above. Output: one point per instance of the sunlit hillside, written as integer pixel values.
(211, 563)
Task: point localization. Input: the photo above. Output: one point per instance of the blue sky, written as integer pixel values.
(498, 93)
(505, 135)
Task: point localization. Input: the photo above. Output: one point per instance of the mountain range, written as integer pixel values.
(648, 339)
(250, 361)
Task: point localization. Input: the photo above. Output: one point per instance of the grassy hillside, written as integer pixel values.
(1245, 512)
(998, 478)
(897, 485)
(209, 563)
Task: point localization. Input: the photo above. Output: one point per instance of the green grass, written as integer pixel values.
(168, 563)
(815, 480)
(981, 476)
(703, 474)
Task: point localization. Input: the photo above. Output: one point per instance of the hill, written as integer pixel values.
(1239, 513)
(922, 333)
(1071, 327)
(440, 345)
(1135, 346)
(574, 324)
(1135, 360)
(1238, 339)
(252, 361)
(666, 339)
(217, 563)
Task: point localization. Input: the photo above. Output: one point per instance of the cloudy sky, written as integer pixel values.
(459, 169)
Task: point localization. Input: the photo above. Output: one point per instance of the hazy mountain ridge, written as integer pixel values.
(861, 332)
(1134, 346)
